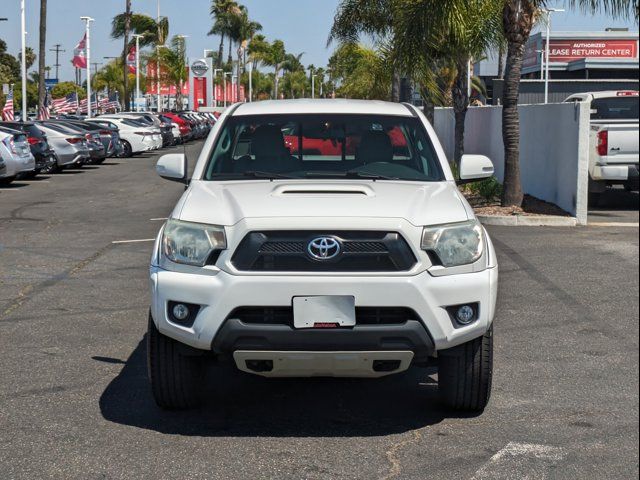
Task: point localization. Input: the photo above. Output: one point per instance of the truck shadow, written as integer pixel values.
(244, 405)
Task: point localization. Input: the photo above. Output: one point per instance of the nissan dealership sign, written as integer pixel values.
(199, 68)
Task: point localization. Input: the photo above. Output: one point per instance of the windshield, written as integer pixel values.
(615, 108)
(324, 146)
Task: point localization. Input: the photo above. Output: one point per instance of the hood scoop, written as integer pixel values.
(323, 189)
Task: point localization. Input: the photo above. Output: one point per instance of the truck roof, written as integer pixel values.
(320, 106)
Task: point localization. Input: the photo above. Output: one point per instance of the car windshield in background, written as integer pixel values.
(323, 146)
(615, 108)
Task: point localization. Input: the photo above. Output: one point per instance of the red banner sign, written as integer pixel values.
(565, 51)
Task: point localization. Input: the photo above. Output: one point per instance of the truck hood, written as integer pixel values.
(227, 203)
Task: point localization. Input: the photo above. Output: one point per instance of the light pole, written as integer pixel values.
(234, 81)
(250, 81)
(159, 95)
(547, 53)
(87, 26)
(23, 54)
(224, 79)
(185, 61)
(215, 75)
(313, 86)
(541, 52)
(137, 99)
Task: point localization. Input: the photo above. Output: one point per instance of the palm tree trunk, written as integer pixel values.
(42, 52)
(125, 52)
(460, 95)
(395, 86)
(230, 57)
(275, 83)
(512, 191)
(220, 51)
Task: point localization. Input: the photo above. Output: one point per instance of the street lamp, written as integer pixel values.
(87, 26)
(24, 61)
(224, 79)
(137, 100)
(234, 81)
(541, 52)
(215, 75)
(547, 54)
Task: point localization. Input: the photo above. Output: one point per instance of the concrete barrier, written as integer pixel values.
(554, 149)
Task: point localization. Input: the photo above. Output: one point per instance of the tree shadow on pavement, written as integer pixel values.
(245, 405)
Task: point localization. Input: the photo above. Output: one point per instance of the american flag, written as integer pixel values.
(43, 111)
(110, 103)
(7, 110)
(83, 105)
(68, 104)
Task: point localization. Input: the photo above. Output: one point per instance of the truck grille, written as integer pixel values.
(284, 315)
(287, 251)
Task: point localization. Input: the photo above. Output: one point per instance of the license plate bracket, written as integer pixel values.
(323, 311)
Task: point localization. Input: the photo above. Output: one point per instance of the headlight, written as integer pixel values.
(191, 243)
(454, 243)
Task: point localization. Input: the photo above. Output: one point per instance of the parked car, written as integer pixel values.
(354, 265)
(184, 127)
(614, 152)
(108, 137)
(16, 154)
(38, 144)
(118, 149)
(70, 149)
(92, 134)
(136, 137)
(149, 120)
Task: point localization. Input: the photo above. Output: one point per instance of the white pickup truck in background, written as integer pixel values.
(613, 156)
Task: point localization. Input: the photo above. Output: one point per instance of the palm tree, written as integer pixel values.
(42, 52)
(223, 12)
(518, 18)
(456, 31)
(275, 57)
(154, 33)
(174, 67)
(258, 49)
(372, 18)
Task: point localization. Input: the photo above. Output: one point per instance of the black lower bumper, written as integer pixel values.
(411, 335)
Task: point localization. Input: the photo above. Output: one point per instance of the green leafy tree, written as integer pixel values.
(63, 89)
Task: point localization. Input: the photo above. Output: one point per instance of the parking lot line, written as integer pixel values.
(614, 224)
(135, 241)
(158, 219)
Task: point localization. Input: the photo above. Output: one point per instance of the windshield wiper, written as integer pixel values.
(351, 174)
(250, 173)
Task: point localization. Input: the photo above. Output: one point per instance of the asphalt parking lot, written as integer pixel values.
(75, 402)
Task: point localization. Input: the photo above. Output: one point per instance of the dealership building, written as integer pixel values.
(579, 62)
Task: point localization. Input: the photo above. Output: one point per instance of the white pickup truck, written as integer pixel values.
(613, 157)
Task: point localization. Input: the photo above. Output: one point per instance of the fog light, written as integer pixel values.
(465, 314)
(180, 311)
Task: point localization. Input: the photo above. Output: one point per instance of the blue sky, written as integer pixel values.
(302, 24)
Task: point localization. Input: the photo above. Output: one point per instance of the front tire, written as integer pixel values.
(176, 378)
(465, 373)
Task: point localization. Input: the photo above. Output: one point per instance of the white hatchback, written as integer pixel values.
(322, 238)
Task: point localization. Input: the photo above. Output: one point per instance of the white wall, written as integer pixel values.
(554, 149)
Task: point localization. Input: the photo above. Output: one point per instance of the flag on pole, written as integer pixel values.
(94, 104)
(110, 103)
(7, 110)
(43, 110)
(80, 53)
(68, 104)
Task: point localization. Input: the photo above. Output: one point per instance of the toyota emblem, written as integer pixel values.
(323, 248)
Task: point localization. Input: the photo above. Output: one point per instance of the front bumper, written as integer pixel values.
(219, 293)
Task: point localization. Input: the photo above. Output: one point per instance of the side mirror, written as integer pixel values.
(173, 166)
(474, 167)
